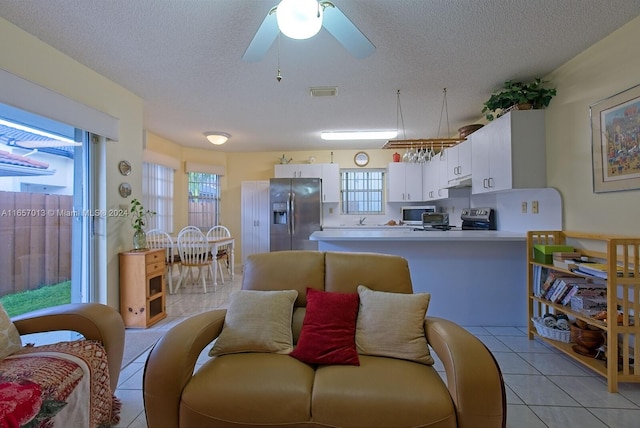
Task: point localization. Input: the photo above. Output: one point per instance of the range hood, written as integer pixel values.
(457, 184)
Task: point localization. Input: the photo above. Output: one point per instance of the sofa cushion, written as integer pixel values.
(285, 270)
(329, 329)
(250, 388)
(9, 337)
(380, 393)
(392, 325)
(257, 321)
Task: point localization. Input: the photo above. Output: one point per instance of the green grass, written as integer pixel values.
(44, 297)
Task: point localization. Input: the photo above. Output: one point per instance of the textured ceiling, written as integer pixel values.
(183, 58)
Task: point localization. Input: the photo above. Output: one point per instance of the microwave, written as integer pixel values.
(412, 215)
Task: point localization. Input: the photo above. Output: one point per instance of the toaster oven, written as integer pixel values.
(412, 215)
(435, 220)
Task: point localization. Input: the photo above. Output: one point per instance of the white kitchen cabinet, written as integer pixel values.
(254, 209)
(328, 172)
(509, 153)
(434, 178)
(459, 165)
(330, 182)
(404, 182)
(298, 170)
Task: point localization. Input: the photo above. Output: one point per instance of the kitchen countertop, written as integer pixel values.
(405, 234)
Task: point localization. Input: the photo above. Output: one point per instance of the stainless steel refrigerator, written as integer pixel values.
(296, 212)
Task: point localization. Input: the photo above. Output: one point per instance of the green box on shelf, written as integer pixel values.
(544, 253)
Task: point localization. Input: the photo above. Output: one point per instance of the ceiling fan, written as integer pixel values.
(308, 16)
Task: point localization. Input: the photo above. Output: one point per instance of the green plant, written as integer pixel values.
(514, 93)
(139, 215)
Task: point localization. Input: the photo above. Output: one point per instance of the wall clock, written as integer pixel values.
(361, 159)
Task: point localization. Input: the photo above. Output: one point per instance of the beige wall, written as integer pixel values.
(608, 67)
(243, 167)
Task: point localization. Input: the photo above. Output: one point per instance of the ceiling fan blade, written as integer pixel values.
(346, 32)
(263, 39)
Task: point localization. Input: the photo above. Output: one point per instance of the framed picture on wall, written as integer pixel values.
(615, 142)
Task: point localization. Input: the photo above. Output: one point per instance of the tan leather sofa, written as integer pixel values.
(266, 389)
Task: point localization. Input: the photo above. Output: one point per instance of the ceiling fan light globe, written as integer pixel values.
(299, 19)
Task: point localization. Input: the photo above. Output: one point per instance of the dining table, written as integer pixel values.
(216, 243)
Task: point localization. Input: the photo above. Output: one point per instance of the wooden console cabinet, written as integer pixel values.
(142, 287)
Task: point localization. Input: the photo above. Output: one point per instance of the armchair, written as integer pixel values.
(93, 320)
(70, 383)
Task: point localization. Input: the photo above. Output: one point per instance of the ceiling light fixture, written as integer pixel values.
(358, 135)
(217, 138)
(299, 19)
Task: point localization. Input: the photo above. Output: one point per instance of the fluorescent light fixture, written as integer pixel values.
(299, 19)
(217, 138)
(358, 135)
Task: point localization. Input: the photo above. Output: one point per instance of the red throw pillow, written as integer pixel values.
(328, 334)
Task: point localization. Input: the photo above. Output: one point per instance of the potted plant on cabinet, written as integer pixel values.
(520, 95)
(139, 217)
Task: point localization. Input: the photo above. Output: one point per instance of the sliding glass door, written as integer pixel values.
(47, 215)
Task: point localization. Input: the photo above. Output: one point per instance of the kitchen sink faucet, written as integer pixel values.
(361, 221)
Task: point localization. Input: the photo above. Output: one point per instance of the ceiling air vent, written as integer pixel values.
(324, 91)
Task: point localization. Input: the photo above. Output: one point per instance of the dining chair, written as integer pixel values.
(194, 253)
(224, 251)
(157, 238)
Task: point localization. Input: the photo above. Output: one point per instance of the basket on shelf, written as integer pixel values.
(551, 333)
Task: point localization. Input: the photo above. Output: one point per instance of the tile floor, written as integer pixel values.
(544, 388)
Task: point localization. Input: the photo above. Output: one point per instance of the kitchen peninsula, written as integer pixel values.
(474, 277)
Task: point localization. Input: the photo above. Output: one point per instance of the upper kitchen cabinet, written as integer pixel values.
(330, 182)
(328, 172)
(404, 182)
(509, 153)
(434, 178)
(459, 165)
(298, 170)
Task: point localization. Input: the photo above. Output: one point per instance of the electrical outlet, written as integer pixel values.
(330, 210)
(534, 207)
(524, 207)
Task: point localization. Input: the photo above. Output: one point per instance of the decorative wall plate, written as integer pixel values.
(124, 167)
(125, 190)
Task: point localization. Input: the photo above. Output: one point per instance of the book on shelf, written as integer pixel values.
(558, 290)
(567, 264)
(566, 299)
(597, 269)
(540, 274)
(552, 275)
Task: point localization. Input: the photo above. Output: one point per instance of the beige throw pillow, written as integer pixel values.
(9, 337)
(257, 321)
(392, 325)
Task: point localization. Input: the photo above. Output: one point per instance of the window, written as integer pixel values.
(204, 200)
(157, 195)
(362, 191)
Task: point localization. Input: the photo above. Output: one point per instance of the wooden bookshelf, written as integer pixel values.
(621, 256)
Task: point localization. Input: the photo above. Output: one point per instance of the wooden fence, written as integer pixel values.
(35, 240)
